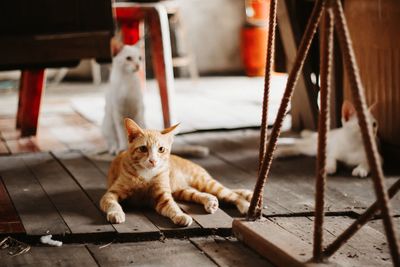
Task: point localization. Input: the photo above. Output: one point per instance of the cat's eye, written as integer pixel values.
(143, 149)
(161, 149)
(129, 58)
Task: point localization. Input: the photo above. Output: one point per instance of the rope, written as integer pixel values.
(366, 129)
(291, 83)
(326, 54)
(267, 86)
(357, 224)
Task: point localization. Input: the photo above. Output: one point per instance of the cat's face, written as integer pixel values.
(149, 149)
(129, 59)
(350, 120)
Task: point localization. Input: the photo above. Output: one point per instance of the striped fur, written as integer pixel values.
(153, 176)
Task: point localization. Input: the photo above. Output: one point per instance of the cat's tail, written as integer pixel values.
(206, 183)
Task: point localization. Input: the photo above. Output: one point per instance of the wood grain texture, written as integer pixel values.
(30, 201)
(68, 255)
(348, 255)
(276, 244)
(9, 219)
(171, 252)
(219, 219)
(229, 252)
(76, 209)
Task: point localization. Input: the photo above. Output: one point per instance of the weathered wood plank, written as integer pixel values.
(378, 225)
(37, 213)
(77, 210)
(229, 252)
(9, 220)
(219, 219)
(68, 255)
(303, 227)
(276, 244)
(155, 253)
(371, 244)
(93, 181)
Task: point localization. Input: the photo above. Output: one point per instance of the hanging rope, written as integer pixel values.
(267, 86)
(366, 129)
(333, 16)
(326, 54)
(255, 210)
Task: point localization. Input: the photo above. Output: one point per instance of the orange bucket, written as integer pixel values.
(254, 49)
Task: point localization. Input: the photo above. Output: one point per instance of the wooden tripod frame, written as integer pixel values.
(332, 15)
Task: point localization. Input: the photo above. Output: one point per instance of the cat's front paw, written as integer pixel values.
(331, 167)
(360, 171)
(212, 205)
(182, 220)
(243, 207)
(116, 216)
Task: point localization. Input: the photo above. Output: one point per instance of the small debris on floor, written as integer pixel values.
(46, 239)
(106, 245)
(14, 246)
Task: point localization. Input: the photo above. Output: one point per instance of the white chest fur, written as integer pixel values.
(148, 174)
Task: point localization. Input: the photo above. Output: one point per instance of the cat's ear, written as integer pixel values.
(132, 129)
(171, 130)
(348, 110)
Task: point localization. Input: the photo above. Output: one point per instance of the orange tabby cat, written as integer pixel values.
(148, 173)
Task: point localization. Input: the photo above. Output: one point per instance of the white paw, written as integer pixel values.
(243, 207)
(212, 205)
(331, 168)
(116, 216)
(360, 171)
(182, 220)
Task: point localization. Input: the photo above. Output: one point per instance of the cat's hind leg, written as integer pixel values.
(206, 183)
(209, 201)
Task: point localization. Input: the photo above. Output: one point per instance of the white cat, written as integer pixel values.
(344, 144)
(124, 97)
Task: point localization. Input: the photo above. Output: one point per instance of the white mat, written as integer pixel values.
(205, 104)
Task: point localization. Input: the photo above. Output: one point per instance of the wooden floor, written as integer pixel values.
(52, 184)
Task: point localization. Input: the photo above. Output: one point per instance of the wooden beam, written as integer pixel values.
(304, 108)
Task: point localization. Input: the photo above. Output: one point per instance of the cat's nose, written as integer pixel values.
(153, 162)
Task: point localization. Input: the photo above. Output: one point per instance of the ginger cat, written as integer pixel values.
(147, 173)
